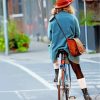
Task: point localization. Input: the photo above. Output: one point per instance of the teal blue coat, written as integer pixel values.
(70, 26)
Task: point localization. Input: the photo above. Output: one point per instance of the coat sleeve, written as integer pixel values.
(77, 28)
(49, 32)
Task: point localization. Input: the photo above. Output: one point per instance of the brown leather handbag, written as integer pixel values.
(75, 46)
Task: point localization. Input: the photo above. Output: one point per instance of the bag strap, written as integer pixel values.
(60, 27)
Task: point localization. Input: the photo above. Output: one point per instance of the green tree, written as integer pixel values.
(89, 19)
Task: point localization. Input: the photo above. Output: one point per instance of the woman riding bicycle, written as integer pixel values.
(64, 13)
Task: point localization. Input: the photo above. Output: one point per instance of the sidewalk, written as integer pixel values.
(39, 48)
(37, 52)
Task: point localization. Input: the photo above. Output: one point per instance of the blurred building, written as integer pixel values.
(93, 23)
(36, 14)
(32, 16)
(94, 6)
(1, 13)
(15, 11)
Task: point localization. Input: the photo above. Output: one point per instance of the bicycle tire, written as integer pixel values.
(64, 79)
(61, 93)
(61, 88)
(67, 86)
(67, 94)
(58, 92)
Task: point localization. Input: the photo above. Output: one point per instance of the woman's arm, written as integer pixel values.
(77, 28)
(49, 31)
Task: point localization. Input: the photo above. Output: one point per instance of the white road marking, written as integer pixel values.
(91, 61)
(89, 83)
(40, 79)
(38, 90)
(31, 73)
(19, 95)
(98, 86)
(77, 87)
(33, 90)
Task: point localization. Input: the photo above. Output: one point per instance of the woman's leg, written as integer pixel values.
(56, 68)
(81, 80)
(56, 64)
(77, 70)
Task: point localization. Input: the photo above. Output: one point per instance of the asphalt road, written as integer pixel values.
(29, 76)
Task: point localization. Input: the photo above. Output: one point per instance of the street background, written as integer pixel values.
(29, 76)
(26, 71)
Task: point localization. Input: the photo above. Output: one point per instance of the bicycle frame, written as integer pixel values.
(64, 79)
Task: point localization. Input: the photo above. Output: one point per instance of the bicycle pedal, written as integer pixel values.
(72, 98)
(67, 87)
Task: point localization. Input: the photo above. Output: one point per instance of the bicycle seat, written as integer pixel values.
(61, 51)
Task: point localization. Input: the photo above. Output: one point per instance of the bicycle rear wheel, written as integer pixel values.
(67, 94)
(61, 93)
(61, 87)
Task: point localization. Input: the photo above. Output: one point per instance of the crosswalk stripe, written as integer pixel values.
(31, 73)
(91, 61)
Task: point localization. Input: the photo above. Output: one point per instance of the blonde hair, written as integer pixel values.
(68, 9)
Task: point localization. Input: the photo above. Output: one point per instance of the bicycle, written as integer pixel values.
(64, 78)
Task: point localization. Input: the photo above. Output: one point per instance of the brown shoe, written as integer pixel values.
(56, 75)
(87, 97)
(85, 94)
